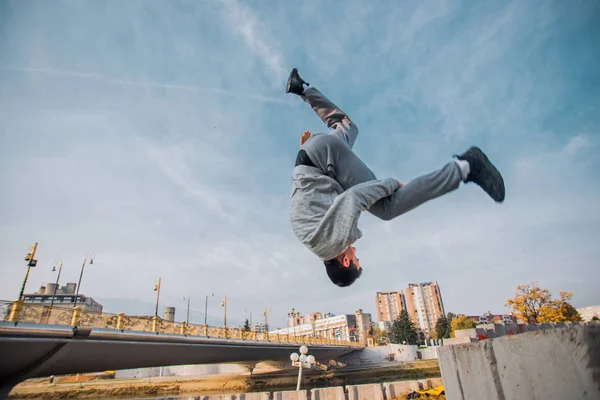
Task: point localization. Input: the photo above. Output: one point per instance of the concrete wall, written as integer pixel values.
(549, 364)
(380, 355)
(488, 331)
(331, 393)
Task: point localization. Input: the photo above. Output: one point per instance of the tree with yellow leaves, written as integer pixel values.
(461, 322)
(533, 304)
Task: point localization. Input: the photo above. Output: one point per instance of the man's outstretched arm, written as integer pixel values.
(339, 223)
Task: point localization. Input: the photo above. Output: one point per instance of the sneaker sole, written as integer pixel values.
(498, 191)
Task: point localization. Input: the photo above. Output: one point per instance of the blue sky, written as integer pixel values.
(159, 135)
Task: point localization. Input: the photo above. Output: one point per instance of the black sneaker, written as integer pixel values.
(294, 83)
(483, 173)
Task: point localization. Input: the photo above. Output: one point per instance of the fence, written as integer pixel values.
(37, 314)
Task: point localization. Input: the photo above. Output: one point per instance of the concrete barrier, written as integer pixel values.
(254, 396)
(365, 392)
(425, 384)
(291, 395)
(394, 389)
(548, 364)
(330, 393)
(242, 396)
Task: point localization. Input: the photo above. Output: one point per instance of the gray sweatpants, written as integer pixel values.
(353, 171)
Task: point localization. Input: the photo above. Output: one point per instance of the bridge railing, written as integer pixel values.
(65, 315)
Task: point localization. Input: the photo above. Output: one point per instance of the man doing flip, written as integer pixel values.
(331, 186)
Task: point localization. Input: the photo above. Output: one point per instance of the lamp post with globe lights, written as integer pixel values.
(302, 361)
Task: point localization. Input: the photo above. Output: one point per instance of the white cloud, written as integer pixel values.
(256, 36)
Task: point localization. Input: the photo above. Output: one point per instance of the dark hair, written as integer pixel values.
(340, 275)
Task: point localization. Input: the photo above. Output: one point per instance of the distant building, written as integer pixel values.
(424, 305)
(63, 298)
(169, 314)
(389, 305)
(259, 327)
(588, 313)
(385, 326)
(350, 327)
(489, 318)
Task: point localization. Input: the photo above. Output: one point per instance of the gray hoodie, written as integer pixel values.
(325, 217)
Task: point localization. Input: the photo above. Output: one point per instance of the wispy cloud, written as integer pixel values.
(244, 22)
(146, 85)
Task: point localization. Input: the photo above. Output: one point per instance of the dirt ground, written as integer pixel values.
(66, 388)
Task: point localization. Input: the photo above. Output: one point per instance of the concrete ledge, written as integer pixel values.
(549, 364)
(291, 395)
(242, 396)
(330, 393)
(365, 392)
(425, 384)
(254, 396)
(393, 389)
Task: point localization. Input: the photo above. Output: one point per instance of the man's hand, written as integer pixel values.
(400, 185)
(304, 137)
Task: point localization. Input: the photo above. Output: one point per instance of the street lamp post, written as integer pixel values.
(55, 288)
(187, 320)
(16, 306)
(293, 314)
(224, 305)
(302, 361)
(157, 290)
(31, 262)
(91, 257)
(266, 314)
(155, 319)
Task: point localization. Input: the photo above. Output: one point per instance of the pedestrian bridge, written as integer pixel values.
(34, 350)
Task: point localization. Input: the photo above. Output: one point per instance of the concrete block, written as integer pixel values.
(394, 389)
(330, 393)
(466, 372)
(523, 328)
(425, 384)
(365, 392)
(254, 396)
(549, 364)
(499, 330)
(459, 340)
(482, 333)
(466, 332)
(291, 395)
(218, 397)
(511, 329)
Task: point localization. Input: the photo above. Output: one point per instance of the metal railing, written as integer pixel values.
(38, 314)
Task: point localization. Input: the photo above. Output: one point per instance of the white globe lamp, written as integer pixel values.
(303, 349)
(294, 357)
(310, 359)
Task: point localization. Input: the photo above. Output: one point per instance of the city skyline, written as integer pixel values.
(159, 134)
